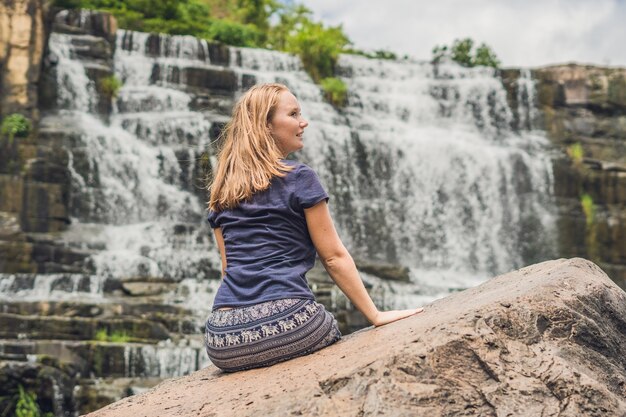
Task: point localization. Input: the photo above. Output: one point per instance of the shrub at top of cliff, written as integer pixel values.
(461, 52)
(317, 46)
(15, 125)
(186, 17)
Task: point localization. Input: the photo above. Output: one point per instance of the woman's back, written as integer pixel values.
(267, 243)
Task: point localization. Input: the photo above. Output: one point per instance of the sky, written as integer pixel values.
(522, 33)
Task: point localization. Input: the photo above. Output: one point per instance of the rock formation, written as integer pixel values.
(543, 340)
(585, 107)
(22, 44)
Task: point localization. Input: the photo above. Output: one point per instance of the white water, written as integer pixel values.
(423, 167)
(50, 287)
(165, 359)
(132, 196)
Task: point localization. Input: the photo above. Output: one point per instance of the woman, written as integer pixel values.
(270, 217)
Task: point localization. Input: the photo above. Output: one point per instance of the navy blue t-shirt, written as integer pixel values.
(267, 243)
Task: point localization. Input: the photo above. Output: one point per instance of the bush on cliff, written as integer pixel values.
(173, 17)
(377, 54)
(335, 90)
(15, 125)
(22, 403)
(110, 86)
(576, 153)
(461, 52)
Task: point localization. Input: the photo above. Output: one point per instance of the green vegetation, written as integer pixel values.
(15, 125)
(102, 335)
(617, 90)
(275, 24)
(21, 404)
(335, 91)
(119, 337)
(318, 47)
(378, 54)
(575, 152)
(110, 86)
(591, 227)
(586, 201)
(461, 52)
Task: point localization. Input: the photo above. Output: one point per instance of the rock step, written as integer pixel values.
(90, 359)
(42, 286)
(13, 326)
(81, 308)
(172, 318)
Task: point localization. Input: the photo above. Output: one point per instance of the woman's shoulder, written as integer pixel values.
(298, 167)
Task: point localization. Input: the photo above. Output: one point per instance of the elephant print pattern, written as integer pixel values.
(267, 333)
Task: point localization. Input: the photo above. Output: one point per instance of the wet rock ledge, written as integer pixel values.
(545, 340)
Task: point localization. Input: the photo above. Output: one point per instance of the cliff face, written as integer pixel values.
(31, 185)
(544, 340)
(22, 42)
(584, 107)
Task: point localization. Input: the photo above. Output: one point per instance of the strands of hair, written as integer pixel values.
(249, 156)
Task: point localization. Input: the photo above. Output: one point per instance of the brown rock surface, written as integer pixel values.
(21, 49)
(544, 340)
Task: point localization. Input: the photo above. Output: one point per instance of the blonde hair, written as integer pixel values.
(249, 157)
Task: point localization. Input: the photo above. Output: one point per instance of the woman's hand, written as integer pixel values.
(386, 317)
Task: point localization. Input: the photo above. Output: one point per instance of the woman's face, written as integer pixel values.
(287, 124)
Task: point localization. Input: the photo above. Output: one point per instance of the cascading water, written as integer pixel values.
(148, 215)
(452, 186)
(426, 167)
(134, 196)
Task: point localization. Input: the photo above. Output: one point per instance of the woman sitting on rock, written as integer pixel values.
(270, 216)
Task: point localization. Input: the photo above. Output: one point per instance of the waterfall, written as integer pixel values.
(132, 196)
(164, 360)
(526, 99)
(50, 287)
(425, 167)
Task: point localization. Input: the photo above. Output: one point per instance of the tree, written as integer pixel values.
(318, 47)
(486, 57)
(291, 18)
(461, 52)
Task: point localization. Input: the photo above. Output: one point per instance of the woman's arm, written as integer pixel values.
(341, 267)
(220, 245)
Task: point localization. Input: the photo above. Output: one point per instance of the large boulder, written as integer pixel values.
(543, 340)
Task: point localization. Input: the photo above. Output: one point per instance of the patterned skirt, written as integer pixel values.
(267, 333)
